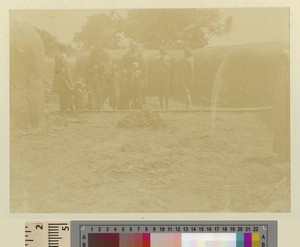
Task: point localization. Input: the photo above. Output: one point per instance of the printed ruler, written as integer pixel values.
(47, 234)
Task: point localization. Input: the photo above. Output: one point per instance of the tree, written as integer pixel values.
(100, 29)
(154, 27)
(176, 27)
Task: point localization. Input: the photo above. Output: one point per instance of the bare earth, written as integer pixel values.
(181, 162)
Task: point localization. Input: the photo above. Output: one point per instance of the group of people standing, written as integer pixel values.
(123, 82)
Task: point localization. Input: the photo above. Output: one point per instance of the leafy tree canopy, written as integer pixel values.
(100, 29)
(154, 27)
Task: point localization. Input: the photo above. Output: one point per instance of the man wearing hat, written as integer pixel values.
(187, 76)
(97, 73)
(134, 55)
(162, 67)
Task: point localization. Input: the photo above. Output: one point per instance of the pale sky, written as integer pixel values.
(255, 25)
(250, 25)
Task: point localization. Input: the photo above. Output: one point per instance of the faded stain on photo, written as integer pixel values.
(149, 111)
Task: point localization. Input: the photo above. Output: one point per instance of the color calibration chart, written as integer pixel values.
(174, 234)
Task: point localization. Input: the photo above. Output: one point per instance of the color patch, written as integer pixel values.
(103, 240)
(208, 240)
(174, 239)
(134, 240)
(166, 239)
(247, 239)
(255, 239)
(240, 239)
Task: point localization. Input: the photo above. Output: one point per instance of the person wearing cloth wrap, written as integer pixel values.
(62, 80)
(97, 74)
(134, 55)
(162, 68)
(187, 76)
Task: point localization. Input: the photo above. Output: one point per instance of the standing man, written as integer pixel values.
(134, 55)
(97, 73)
(62, 84)
(187, 76)
(114, 87)
(162, 68)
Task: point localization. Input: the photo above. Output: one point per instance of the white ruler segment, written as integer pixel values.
(50, 234)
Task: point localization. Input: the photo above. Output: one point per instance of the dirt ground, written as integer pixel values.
(140, 162)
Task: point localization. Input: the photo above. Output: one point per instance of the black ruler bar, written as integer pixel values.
(58, 224)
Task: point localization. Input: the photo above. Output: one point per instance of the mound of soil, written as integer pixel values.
(143, 120)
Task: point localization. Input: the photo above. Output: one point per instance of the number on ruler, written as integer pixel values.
(39, 226)
(58, 234)
(33, 234)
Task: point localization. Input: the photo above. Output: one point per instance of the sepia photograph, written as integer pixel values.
(183, 110)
